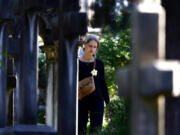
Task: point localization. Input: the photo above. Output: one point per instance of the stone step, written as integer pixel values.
(28, 130)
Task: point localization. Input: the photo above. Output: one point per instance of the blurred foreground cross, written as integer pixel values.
(150, 77)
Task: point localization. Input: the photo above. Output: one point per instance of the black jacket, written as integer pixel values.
(101, 91)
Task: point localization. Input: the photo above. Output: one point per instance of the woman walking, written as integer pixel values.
(93, 104)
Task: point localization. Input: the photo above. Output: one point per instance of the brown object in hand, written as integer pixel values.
(86, 87)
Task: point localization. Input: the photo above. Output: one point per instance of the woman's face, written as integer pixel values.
(91, 47)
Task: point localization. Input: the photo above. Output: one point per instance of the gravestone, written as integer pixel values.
(144, 81)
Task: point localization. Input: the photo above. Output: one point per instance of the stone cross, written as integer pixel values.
(150, 77)
(172, 53)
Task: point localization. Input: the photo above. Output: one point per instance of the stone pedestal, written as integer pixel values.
(51, 98)
(28, 130)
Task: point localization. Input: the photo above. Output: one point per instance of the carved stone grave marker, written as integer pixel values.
(150, 77)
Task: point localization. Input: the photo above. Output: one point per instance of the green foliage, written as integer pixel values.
(4, 56)
(121, 20)
(117, 116)
(42, 84)
(42, 70)
(41, 116)
(1, 64)
(103, 12)
(115, 51)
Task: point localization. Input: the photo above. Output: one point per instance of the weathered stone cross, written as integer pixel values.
(150, 77)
